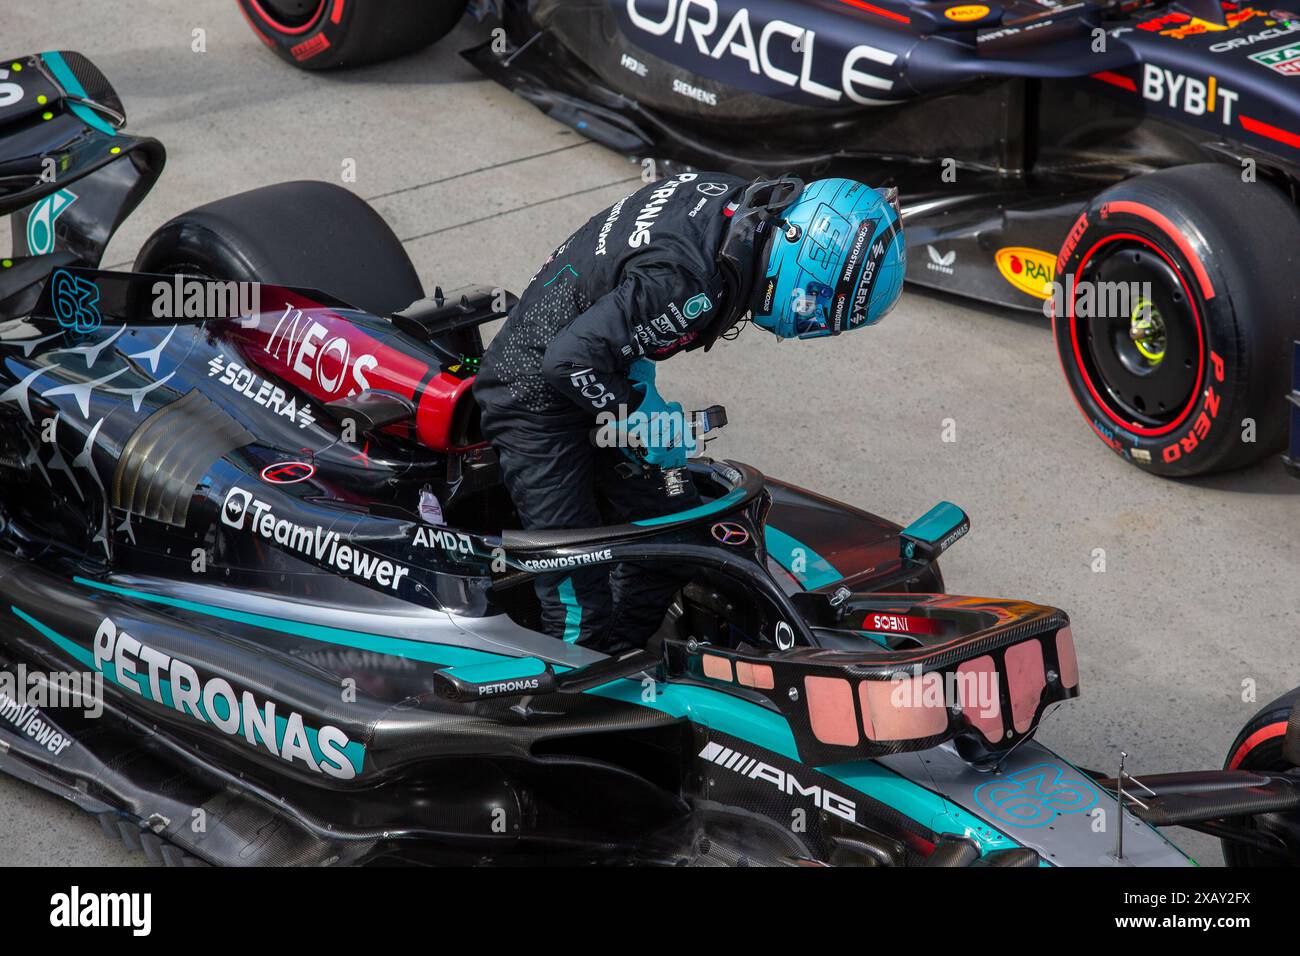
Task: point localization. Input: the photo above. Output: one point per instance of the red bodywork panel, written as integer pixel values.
(327, 356)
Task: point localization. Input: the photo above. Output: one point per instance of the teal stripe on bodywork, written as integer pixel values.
(354, 751)
(699, 511)
(378, 643)
(572, 611)
(922, 805)
(71, 648)
(706, 706)
(731, 715)
(68, 80)
(769, 730)
(786, 550)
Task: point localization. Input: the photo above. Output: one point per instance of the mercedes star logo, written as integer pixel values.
(728, 532)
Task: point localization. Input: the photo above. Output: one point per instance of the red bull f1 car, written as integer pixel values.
(1128, 168)
(258, 519)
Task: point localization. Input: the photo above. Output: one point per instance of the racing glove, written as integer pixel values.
(642, 370)
(659, 428)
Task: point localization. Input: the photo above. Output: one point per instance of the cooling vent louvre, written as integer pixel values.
(164, 459)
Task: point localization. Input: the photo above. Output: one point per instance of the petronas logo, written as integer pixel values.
(40, 221)
(695, 305)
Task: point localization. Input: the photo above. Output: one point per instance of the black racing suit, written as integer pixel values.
(640, 279)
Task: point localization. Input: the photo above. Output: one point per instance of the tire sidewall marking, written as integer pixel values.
(1203, 408)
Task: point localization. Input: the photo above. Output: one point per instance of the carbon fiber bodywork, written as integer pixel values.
(268, 616)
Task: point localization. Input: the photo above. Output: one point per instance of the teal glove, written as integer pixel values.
(642, 370)
(659, 428)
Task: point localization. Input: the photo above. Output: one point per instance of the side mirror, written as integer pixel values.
(516, 677)
(532, 677)
(933, 533)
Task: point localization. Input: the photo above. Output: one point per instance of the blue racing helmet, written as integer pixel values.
(835, 261)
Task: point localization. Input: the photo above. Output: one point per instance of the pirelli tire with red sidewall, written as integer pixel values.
(1194, 366)
(325, 34)
(1261, 745)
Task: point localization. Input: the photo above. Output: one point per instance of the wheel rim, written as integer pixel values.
(289, 16)
(1141, 345)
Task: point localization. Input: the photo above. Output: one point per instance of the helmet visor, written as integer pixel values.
(812, 310)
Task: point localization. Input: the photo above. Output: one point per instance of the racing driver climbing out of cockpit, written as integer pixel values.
(672, 267)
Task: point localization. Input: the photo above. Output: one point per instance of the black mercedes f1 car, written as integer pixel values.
(267, 602)
(1127, 167)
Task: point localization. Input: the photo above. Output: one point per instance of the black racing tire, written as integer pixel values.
(1260, 746)
(329, 34)
(307, 234)
(1222, 256)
